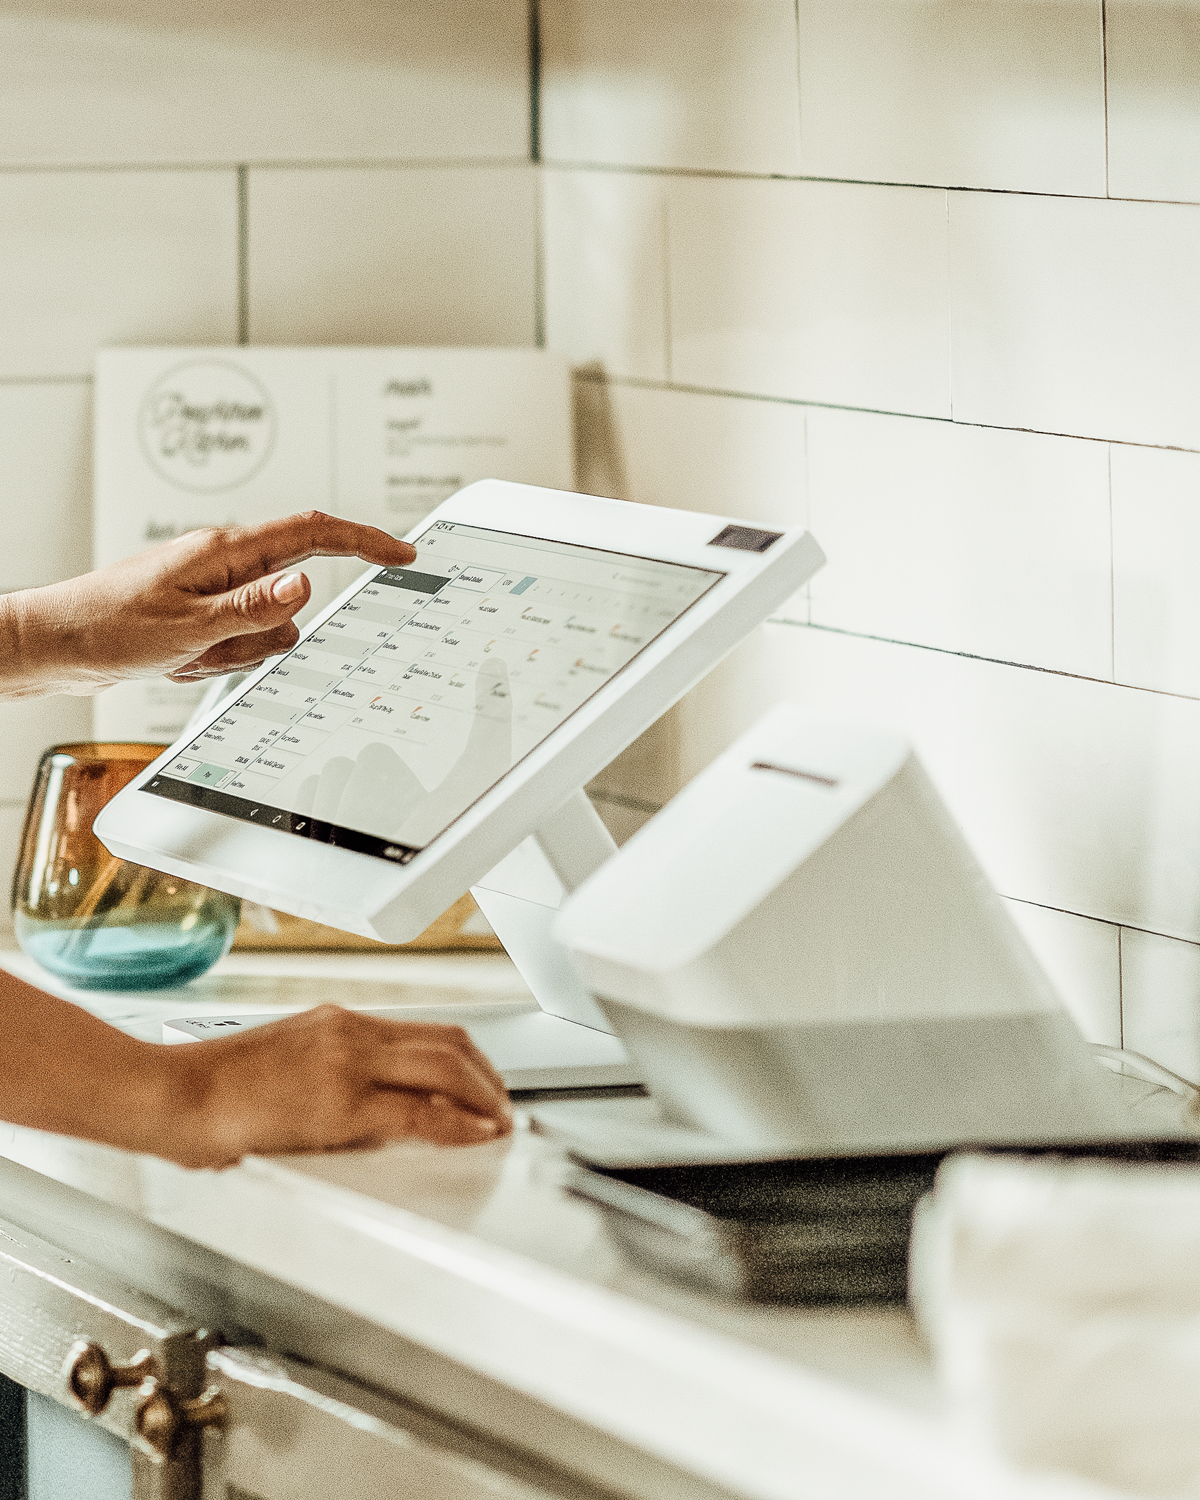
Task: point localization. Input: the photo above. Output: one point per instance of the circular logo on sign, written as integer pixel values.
(207, 425)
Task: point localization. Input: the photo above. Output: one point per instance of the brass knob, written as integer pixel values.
(162, 1417)
(92, 1377)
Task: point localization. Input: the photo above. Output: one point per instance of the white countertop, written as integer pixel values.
(477, 1254)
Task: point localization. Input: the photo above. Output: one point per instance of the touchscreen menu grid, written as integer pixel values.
(389, 720)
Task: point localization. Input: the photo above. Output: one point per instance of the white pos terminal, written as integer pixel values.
(433, 729)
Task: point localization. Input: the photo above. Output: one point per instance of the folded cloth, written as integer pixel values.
(1062, 1302)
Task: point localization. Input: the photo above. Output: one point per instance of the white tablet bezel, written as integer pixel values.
(365, 894)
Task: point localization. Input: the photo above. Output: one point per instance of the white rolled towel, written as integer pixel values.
(1062, 1302)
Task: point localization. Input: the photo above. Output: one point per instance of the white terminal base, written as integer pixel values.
(565, 1043)
(532, 1050)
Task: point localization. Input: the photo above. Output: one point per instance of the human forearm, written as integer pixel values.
(324, 1080)
(211, 602)
(63, 1070)
(44, 645)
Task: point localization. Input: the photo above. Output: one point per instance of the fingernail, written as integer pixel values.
(287, 588)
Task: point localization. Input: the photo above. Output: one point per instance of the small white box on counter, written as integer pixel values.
(219, 436)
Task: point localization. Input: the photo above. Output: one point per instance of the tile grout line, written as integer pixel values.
(535, 81)
(47, 380)
(1121, 984)
(643, 382)
(1112, 577)
(720, 174)
(472, 163)
(993, 661)
(949, 313)
(799, 85)
(243, 253)
(270, 164)
(668, 352)
(539, 262)
(1104, 77)
(1114, 922)
(535, 157)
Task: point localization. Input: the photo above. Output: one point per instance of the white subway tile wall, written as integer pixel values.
(1161, 986)
(625, 83)
(813, 291)
(291, 171)
(1083, 958)
(1076, 315)
(1156, 564)
(1075, 794)
(921, 275)
(973, 539)
(46, 464)
(605, 237)
(1153, 53)
(693, 450)
(964, 93)
(392, 255)
(992, 346)
(154, 81)
(91, 258)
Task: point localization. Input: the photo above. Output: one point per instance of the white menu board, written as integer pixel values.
(215, 436)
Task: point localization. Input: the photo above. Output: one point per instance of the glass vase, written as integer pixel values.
(92, 919)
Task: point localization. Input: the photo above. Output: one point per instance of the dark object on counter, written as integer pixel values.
(832, 1231)
(828, 1231)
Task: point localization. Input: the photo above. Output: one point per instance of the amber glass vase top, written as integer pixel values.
(97, 921)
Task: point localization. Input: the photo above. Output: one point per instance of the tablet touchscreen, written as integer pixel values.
(405, 706)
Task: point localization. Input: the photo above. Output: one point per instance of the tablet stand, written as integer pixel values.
(567, 1043)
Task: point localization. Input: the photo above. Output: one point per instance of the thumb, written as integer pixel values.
(262, 603)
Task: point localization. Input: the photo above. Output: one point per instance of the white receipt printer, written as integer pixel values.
(801, 952)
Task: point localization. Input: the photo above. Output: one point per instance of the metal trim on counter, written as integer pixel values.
(295, 1430)
(78, 1335)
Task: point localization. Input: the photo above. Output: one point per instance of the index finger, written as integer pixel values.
(272, 545)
